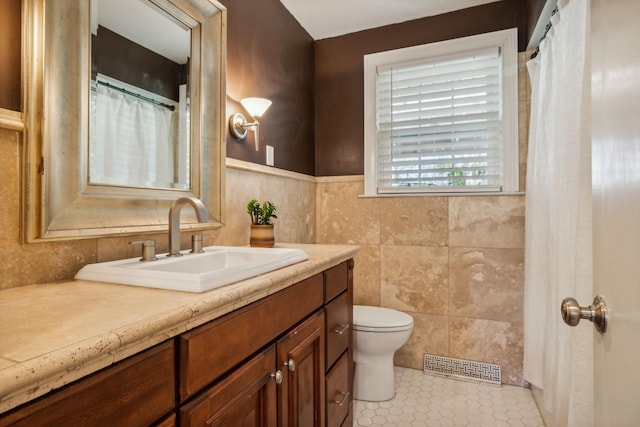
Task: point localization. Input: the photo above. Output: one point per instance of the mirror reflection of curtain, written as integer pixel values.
(184, 136)
(132, 141)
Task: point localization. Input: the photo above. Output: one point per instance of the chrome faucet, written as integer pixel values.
(174, 220)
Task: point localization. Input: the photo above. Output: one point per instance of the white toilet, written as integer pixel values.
(377, 333)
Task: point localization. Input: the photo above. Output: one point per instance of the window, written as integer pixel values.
(442, 117)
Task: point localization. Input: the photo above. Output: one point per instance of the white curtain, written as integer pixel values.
(133, 142)
(558, 359)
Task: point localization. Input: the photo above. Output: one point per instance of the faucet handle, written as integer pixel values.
(148, 249)
(196, 244)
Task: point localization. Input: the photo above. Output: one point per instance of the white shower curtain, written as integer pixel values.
(133, 142)
(558, 359)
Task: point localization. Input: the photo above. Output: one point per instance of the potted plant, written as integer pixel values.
(262, 235)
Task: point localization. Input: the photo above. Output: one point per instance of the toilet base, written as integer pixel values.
(374, 379)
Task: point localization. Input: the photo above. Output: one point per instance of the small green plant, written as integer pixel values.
(261, 214)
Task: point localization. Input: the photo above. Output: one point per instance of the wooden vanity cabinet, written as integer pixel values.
(306, 364)
(282, 385)
(291, 324)
(139, 391)
(209, 351)
(339, 350)
(284, 360)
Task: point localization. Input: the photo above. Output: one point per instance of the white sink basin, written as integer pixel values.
(216, 267)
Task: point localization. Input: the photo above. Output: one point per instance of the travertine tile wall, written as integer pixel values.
(454, 263)
(20, 264)
(293, 194)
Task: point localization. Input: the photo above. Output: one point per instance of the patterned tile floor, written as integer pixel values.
(428, 400)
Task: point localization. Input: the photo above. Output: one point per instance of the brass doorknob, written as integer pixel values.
(596, 313)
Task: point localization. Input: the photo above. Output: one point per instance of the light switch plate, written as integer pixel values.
(269, 155)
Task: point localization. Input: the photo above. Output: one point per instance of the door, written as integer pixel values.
(616, 207)
(300, 356)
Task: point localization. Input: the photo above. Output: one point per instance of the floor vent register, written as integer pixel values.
(462, 369)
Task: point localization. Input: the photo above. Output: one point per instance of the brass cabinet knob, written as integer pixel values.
(277, 375)
(291, 364)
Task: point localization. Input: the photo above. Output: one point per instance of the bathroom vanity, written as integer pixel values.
(272, 350)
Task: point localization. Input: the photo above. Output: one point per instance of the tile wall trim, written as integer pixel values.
(11, 120)
(267, 170)
(340, 178)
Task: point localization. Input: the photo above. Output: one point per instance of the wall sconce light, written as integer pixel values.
(238, 125)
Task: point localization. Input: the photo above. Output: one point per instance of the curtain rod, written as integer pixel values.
(137, 95)
(546, 30)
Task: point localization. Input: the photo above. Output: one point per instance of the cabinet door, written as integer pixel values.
(246, 397)
(301, 358)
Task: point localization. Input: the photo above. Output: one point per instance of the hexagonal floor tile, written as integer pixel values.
(427, 400)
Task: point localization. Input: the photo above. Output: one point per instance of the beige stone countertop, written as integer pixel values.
(52, 334)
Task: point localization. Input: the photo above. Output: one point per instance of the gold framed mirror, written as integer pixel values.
(59, 201)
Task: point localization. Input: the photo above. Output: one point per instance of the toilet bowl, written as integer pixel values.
(377, 333)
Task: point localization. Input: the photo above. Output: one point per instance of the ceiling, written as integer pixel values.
(320, 18)
(330, 18)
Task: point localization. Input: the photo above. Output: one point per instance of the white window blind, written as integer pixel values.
(440, 123)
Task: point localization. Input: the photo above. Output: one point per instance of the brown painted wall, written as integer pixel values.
(118, 57)
(10, 47)
(339, 74)
(271, 56)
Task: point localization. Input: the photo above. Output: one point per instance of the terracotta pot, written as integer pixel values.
(262, 236)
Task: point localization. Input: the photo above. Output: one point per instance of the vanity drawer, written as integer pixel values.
(210, 350)
(338, 328)
(335, 281)
(338, 396)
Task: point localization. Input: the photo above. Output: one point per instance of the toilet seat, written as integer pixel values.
(380, 319)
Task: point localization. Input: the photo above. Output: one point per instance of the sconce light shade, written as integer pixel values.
(238, 124)
(255, 106)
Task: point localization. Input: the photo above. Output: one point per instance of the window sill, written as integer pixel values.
(443, 194)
